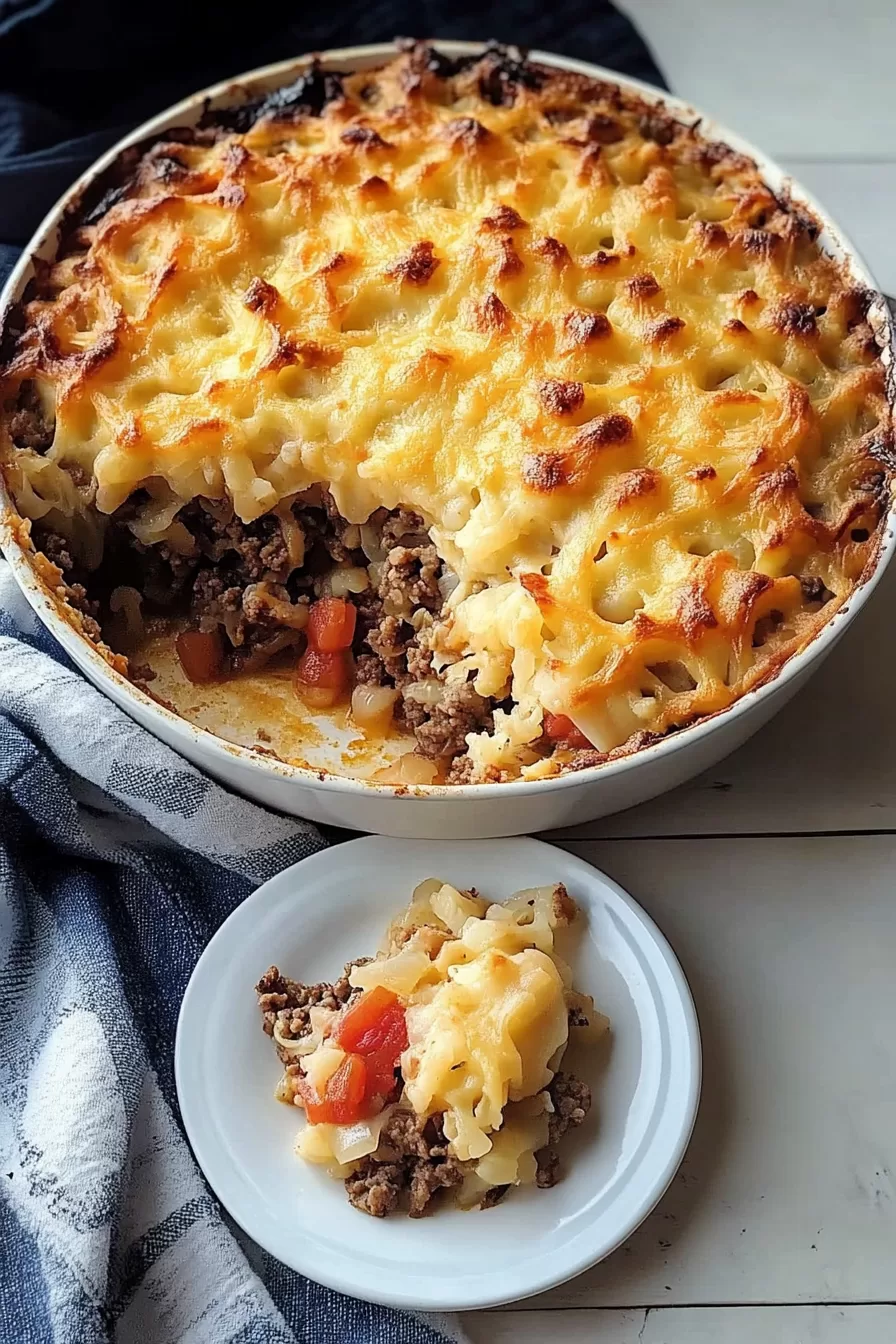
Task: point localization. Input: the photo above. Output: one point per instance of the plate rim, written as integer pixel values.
(413, 1299)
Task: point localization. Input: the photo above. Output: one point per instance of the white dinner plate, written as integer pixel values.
(334, 906)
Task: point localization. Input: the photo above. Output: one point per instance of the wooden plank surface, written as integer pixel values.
(800, 78)
(787, 1192)
(861, 197)
(688, 1325)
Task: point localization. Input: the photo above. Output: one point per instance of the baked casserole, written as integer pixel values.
(510, 421)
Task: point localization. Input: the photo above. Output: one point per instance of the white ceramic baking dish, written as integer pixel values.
(465, 811)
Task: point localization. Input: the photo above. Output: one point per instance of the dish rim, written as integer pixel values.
(689, 1101)
(833, 241)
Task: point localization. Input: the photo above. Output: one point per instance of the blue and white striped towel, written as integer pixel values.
(118, 860)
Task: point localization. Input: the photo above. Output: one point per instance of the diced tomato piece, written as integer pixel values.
(201, 654)
(560, 728)
(321, 678)
(331, 625)
(344, 1099)
(381, 1074)
(374, 1026)
(374, 1022)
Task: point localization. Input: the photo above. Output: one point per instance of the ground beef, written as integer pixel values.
(427, 1178)
(76, 596)
(29, 425)
(375, 1187)
(461, 770)
(216, 601)
(236, 557)
(56, 548)
(572, 1102)
(217, 586)
(249, 551)
(288, 1003)
(416, 1136)
(461, 711)
(389, 640)
(419, 1163)
(369, 670)
(403, 526)
(571, 1099)
(410, 580)
(547, 1163)
(585, 758)
(325, 529)
(419, 659)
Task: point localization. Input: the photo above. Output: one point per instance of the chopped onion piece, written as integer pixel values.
(408, 769)
(350, 1142)
(447, 584)
(349, 579)
(401, 973)
(372, 706)
(128, 602)
(342, 1143)
(371, 544)
(427, 692)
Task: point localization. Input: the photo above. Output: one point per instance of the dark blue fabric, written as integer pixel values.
(103, 1213)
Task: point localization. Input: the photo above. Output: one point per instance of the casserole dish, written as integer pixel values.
(650, 761)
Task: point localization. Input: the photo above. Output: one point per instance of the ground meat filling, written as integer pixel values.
(29, 424)
(416, 1164)
(571, 1099)
(376, 1187)
(286, 1004)
(414, 1161)
(410, 580)
(251, 584)
(58, 551)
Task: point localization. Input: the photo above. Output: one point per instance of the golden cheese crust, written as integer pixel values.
(640, 410)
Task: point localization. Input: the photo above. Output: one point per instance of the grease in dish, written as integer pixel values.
(436, 1065)
(567, 416)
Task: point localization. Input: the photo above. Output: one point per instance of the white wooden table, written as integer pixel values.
(774, 876)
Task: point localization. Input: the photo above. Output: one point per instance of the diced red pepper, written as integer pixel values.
(200, 653)
(560, 728)
(331, 625)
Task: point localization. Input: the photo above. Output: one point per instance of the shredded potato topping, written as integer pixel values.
(640, 411)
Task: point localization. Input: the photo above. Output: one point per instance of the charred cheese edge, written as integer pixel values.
(641, 411)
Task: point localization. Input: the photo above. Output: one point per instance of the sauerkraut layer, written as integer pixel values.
(639, 412)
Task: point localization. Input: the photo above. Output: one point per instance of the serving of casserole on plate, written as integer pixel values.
(459, 419)
(446, 1140)
(436, 1065)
